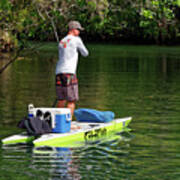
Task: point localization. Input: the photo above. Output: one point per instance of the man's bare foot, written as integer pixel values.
(75, 127)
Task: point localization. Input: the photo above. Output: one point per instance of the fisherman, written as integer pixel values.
(66, 80)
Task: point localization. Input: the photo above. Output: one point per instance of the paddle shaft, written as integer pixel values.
(55, 102)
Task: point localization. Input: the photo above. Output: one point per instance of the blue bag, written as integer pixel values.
(92, 115)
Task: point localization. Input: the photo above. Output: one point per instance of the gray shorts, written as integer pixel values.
(67, 87)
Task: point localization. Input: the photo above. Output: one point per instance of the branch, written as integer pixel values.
(53, 25)
(11, 61)
(40, 14)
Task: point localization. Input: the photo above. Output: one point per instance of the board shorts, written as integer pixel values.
(67, 87)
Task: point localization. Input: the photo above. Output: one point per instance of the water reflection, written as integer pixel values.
(60, 162)
(73, 163)
(85, 162)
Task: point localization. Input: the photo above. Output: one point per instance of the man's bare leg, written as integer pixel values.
(61, 103)
(72, 106)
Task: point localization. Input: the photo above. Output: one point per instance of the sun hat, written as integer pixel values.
(75, 25)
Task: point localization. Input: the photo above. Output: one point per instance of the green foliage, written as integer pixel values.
(178, 2)
(5, 5)
(91, 5)
(157, 18)
(155, 21)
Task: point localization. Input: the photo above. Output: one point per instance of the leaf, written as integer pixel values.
(148, 14)
(92, 5)
(144, 23)
(178, 3)
(5, 4)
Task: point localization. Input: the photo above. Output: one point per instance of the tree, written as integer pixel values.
(147, 20)
(17, 18)
(158, 19)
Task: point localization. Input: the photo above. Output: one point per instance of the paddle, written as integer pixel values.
(55, 102)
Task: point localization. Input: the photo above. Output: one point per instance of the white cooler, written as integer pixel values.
(60, 117)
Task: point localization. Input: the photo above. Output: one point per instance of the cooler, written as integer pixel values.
(60, 117)
(62, 121)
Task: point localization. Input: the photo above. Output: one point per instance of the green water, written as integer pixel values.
(138, 81)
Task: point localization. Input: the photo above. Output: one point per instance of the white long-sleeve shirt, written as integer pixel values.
(69, 47)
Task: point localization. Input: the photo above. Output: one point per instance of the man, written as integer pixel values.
(66, 80)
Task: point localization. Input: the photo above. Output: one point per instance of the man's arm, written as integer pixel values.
(82, 49)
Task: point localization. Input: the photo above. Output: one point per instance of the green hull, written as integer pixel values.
(20, 138)
(80, 137)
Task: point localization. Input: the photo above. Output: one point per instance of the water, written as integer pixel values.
(138, 81)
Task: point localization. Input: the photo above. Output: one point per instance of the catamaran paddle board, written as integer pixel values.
(84, 132)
